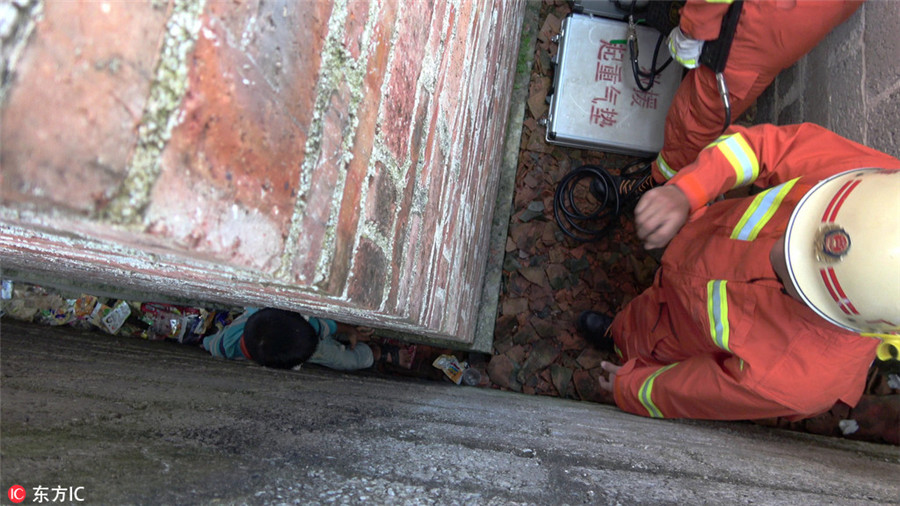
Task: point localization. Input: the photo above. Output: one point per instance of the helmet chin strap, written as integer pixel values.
(887, 341)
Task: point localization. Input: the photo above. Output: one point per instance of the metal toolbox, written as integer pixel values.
(595, 102)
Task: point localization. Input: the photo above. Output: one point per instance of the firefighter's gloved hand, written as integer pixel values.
(684, 49)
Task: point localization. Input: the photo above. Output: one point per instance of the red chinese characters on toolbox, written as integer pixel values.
(609, 74)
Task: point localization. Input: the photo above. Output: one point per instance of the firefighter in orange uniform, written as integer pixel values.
(772, 305)
(771, 35)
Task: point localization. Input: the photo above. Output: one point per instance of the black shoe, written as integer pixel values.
(594, 327)
(629, 188)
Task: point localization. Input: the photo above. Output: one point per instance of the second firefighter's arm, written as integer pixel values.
(702, 20)
(767, 155)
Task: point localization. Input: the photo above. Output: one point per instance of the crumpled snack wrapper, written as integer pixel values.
(451, 367)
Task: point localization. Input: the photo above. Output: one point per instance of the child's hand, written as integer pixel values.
(353, 338)
(354, 334)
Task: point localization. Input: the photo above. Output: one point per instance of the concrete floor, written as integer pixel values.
(136, 422)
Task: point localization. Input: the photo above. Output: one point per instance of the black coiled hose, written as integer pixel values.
(572, 219)
(589, 215)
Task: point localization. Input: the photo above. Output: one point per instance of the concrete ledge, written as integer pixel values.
(490, 295)
(136, 422)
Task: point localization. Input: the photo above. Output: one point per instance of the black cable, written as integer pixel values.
(601, 194)
(634, 52)
(570, 216)
(651, 75)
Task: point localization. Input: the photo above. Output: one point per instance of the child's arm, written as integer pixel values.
(334, 355)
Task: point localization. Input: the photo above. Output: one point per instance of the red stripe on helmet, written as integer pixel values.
(844, 300)
(838, 200)
(831, 290)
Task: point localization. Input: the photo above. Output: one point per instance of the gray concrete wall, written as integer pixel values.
(849, 83)
(137, 422)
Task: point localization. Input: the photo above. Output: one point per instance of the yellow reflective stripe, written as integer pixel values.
(720, 139)
(664, 168)
(761, 211)
(646, 391)
(717, 308)
(687, 62)
(618, 351)
(742, 159)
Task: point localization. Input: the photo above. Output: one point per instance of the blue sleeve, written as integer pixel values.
(323, 327)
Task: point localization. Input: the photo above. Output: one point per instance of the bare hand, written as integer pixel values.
(612, 369)
(353, 334)
(660, 214)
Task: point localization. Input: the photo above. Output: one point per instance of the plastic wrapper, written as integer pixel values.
(221, 319)
(34, 303)
(82, 308)
(451, 367)
(186, 325)
(20, 305)
(168, 326)
(54, 310)
(111, 319)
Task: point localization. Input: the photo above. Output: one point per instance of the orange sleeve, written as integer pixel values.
(702, 20)
(768, 155)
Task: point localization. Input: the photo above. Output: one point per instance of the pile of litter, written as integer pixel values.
(147, 320)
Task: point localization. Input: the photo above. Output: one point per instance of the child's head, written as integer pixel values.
(279, 339)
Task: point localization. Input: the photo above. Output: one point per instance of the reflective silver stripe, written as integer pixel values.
(742, 159)
(717, 308)
(664, 168)
(761, 211)
(646, 391)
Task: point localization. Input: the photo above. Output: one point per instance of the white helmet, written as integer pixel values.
(842, 248)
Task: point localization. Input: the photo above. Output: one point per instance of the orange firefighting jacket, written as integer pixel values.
(715, 337)
(771, 35)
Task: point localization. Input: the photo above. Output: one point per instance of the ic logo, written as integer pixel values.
(16, 493)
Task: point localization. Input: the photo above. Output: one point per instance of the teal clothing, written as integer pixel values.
(329, 352)
(227, 342)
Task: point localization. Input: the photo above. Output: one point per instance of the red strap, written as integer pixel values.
(244, 348)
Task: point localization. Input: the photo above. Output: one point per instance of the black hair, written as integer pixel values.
(279, 339)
